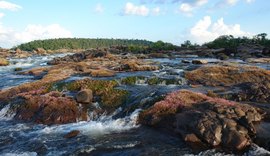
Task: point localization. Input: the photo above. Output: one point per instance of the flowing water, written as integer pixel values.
(114, 135)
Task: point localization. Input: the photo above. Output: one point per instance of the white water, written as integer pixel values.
(20, 154)
(104, 125)
(255, 150)
(10, 78)
(5, 114)
(29, 62)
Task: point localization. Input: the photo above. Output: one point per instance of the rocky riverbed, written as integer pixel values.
(98, 103)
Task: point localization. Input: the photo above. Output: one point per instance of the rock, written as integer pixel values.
(47, 109)
(18, 51)
(266, 51)
(109, 97)
(199, 61)
(258, 60)
(18, 69)
(194, 142)
(185, 61)
(41, 51)
(233, 140)
(222, 56)
(158, 55)
(254, 92)
(84, 96)
(200, 118)
(4, 62)
(134, 65)
(227, 75)
(72, 134)
(102, 73)
(38, 72)
(263, 135)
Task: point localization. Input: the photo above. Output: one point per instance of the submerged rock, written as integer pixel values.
(203, 120)
(72, 134)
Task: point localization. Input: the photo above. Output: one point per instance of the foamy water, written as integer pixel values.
(10, 78)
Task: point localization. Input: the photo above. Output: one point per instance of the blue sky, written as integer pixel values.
(169, 20)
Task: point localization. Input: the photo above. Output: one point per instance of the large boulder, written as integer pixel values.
(203, 120)
(47, 109)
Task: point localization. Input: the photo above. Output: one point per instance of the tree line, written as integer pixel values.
(143, 46)
(231, 42)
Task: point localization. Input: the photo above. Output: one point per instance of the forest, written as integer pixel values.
(144, 46)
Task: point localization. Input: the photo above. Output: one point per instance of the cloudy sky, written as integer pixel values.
(169, 20)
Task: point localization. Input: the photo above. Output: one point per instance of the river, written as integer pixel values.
(114, 135)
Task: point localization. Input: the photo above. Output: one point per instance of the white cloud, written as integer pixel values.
(231, 2)
(9, 6)
(140, 10)
(2, 15)
(250, 1)
(10, 37)
(188, 7)
(131, 9)
(200, 2)
(99, 8)
(205, 30)
(156, 11)
(225, 3)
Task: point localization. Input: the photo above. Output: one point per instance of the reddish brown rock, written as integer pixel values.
(223, 75)
(72, 134)
(213, 121)
(47, 109)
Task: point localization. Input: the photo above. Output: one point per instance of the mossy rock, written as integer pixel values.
(110, 97)
(131, 80)
(154, 81)
(18, 69)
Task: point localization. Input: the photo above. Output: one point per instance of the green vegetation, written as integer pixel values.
(80, 43)
(110, 96)
(83, 43)
(228, 42)
(231, 43)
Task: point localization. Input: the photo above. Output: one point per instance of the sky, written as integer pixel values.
(171, 21)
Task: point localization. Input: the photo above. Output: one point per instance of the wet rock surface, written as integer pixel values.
(95, 91)
(244, 83)
(205, 121)
(47, 109)
(72, 134)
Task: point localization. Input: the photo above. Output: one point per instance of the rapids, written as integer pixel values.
(117, 134)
